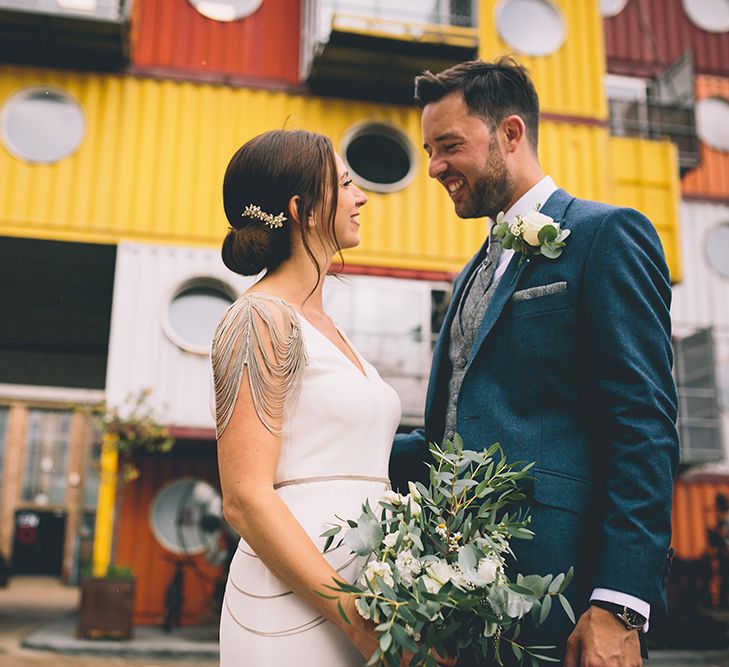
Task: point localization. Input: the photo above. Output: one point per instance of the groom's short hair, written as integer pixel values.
(493, 90)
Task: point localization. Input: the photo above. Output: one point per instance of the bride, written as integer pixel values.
(304, 423)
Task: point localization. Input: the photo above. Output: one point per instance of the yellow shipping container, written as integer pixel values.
(645, 177)
(151, 164)
(569, 80)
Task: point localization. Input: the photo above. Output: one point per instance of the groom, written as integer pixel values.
(565, 362)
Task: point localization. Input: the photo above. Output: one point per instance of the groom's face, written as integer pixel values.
(465, 157)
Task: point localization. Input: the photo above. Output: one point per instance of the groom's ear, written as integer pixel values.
(514, 132)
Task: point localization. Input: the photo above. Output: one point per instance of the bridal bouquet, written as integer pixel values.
(435, 579)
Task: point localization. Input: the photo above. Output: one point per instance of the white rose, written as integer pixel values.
(532, 223)
(415, 509)
(488, 568)
(431, 585)
(391, 497)
(517, 605)
(439, 570)
(414, 493)
(390, 540)
(374, 572)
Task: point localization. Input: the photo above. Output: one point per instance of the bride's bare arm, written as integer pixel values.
(248, 454)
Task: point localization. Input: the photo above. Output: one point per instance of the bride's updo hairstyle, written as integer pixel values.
(260, 180)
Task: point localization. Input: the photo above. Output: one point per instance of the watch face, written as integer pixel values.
(634, 618)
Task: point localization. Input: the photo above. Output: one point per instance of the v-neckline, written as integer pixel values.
(359, 366)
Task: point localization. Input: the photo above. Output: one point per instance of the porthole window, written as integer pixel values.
(42, 124)
(226, 10)
(380, 157)
(712, 122)
(717, 248)
(193, 312)
(186, 516)
(609, 8)
(532, 27)
(709, 15)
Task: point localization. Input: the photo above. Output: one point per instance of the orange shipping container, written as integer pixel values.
(694, 512)
(710, 179)
(171, 35)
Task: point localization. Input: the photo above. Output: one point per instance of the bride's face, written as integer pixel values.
(349, 200)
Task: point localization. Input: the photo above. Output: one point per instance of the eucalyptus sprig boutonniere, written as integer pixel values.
(531, 234)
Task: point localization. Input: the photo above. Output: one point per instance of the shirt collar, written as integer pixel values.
(537, 195)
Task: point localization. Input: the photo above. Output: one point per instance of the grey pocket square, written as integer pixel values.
(540, 290)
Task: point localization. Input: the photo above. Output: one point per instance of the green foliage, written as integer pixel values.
(436, 577)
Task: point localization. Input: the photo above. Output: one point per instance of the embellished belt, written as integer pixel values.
(331, 478)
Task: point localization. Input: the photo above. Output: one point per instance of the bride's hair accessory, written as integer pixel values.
(273, 221)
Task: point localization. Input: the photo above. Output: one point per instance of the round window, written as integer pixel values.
(42, 124)
(532, 27)
(709, 15)
(194, 311)
(609, 8)
(226, 10)
(717, 248)
(380, 157)
(712, 122)
(186, 516)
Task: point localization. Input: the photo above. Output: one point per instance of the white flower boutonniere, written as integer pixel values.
(531, 234)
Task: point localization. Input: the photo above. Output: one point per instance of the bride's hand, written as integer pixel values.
(362, 634)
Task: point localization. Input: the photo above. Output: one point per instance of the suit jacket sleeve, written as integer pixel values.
(626, 332)
(407, 460)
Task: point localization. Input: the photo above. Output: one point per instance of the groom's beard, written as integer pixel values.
(493, 189)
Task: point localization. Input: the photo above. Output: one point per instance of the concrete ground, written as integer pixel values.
(40, 613)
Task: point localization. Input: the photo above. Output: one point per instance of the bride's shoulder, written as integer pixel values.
(261, 333)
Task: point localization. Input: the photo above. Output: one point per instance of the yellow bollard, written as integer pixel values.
(104, 527)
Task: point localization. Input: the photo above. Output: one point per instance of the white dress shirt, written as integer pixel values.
(537, 196)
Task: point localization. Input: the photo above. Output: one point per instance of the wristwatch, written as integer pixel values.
(630, 618)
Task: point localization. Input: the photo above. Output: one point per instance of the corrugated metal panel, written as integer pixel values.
(649, 35)
(694, 512)
(173, 34)
(150, 168)
(141, 355)
(569, 81)
(711, 178)
(645, 177)
(396, 338)
(701, 300)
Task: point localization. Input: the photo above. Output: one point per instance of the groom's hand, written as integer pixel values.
(600, 640)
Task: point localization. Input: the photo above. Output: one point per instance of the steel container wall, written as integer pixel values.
(649, 35)
(702, 298)
(710, 179)
(173, 35)
(141, 355)
(153, 564)
(570, 80)
(645, 177)
(693, 512)
(151, 166)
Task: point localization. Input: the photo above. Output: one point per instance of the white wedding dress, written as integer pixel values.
(338, 427)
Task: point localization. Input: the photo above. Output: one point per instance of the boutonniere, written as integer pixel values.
(531, 234)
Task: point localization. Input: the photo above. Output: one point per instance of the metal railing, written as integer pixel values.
(650, 119)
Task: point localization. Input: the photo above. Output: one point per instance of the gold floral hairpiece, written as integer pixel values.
(273, 221)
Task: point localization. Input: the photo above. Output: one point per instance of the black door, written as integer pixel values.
(38, 542)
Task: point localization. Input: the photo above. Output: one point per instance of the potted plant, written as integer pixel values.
(107, 592)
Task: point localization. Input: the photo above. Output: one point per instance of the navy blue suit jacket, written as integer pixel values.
(580, 382)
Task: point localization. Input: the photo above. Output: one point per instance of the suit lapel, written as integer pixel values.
(555, 208)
